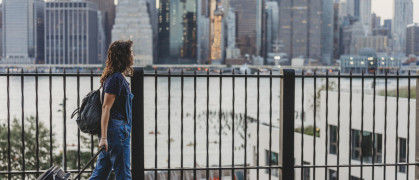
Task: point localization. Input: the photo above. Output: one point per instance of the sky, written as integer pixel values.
(384, 8)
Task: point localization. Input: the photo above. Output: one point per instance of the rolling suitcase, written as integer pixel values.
(56, 173)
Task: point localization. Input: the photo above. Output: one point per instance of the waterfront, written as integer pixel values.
(162, 115)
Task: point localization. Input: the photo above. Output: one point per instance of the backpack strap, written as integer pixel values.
(100, 94)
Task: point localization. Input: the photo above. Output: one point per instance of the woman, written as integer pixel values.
(116, 113)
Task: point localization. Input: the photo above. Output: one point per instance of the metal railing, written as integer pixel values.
(190, 172)
(20, 169)
(290, 161)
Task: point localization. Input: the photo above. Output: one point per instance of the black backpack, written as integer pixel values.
(90, 112)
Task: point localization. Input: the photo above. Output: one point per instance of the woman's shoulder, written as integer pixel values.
(117, 75)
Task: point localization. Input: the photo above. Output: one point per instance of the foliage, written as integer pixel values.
(308, 130)
(332, 86)
(227, 123)
(30, 145)
(148, 67)
(30, 148)
(403, 92)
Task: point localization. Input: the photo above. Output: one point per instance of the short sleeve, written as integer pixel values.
(114, 85)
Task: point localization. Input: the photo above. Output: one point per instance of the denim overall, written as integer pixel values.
(118, 155)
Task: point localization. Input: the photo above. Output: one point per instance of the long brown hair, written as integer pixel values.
(119, 59)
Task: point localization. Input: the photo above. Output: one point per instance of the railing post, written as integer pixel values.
(287, 124)
(137, 132)
(417, 129)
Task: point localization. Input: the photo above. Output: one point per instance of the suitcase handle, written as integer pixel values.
(90, 161)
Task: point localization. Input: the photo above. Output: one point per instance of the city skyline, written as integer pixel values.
(380, 7)
(385, 9)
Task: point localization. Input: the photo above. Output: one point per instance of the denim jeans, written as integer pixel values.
(118, 155)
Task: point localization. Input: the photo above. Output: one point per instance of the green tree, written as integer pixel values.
(30, 149)
(30, 146)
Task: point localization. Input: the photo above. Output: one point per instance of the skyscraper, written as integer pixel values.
(365, 14)
(249, 23)
(107, 7)
(23, 31)
(133, 23)
(217, 40)
(327, 32)
(412, 39)
(74, 33)
(387, 24)
(353, 8)
(300, 31)
(375, 21)
(232, 51)
(272, 24)
(177, 31)
(403, 16)
(203, 32)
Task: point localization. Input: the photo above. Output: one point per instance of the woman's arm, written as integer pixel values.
(106, 108)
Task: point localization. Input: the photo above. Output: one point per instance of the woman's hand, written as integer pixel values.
(103, 142)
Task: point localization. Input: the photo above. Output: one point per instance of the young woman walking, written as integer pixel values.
(116, 114)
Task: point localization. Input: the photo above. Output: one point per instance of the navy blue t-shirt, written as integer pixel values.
(118, 85)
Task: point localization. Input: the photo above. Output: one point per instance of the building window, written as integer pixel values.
(306, 172)
(402, 154)
(333, 141)
(333, 175)
(272, 158)
(367, 147)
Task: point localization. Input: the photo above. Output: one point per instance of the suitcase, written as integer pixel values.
(56, 173)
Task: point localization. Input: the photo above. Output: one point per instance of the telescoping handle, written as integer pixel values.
(90, 162)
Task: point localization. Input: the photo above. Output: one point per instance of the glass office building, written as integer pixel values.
(23, 31)
(177, 31)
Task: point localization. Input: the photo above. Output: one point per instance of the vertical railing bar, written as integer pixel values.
(64, 121)
(168, 123)
(37, 122)
(155, 123)
(181, 123)
(23, 124)
(257, 146)
(302, 123)
(314, 126)
(286, 141)
(245, 124)
(397, 125)
(9, 160)
(233, 115)
(350, 124)
(78, 130)
(408, 125)
(194, 124)
(362, 122)
(327, 121)
(270, 123)
(137, 153)
(373, 126)
(338, 133)
(50, 118)
(207, 114)
(92, 143)
(385, 127)
(220, 129)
